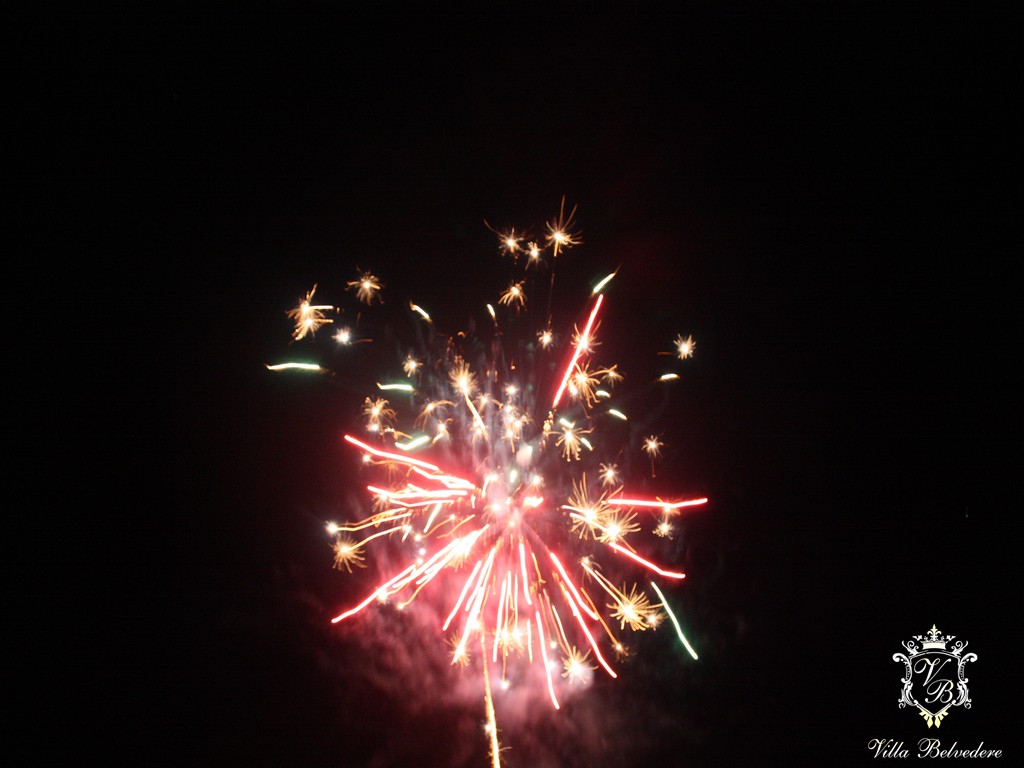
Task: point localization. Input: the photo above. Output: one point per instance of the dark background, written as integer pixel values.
(820, 193)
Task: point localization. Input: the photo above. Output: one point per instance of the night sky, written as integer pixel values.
(822, 194)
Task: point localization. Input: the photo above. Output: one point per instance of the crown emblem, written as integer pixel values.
(933, 641)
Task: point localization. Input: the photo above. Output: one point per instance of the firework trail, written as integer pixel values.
(487, 473)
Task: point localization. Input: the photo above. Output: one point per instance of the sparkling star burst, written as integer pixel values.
(495, 486)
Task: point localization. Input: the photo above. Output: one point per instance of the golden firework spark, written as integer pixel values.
(367, 287)
(308, 317)
(685, 346)
(514, 296)
(560, 235)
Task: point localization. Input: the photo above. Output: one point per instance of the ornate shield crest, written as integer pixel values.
(933, 677)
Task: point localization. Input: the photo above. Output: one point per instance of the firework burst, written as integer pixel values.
(488, 474)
